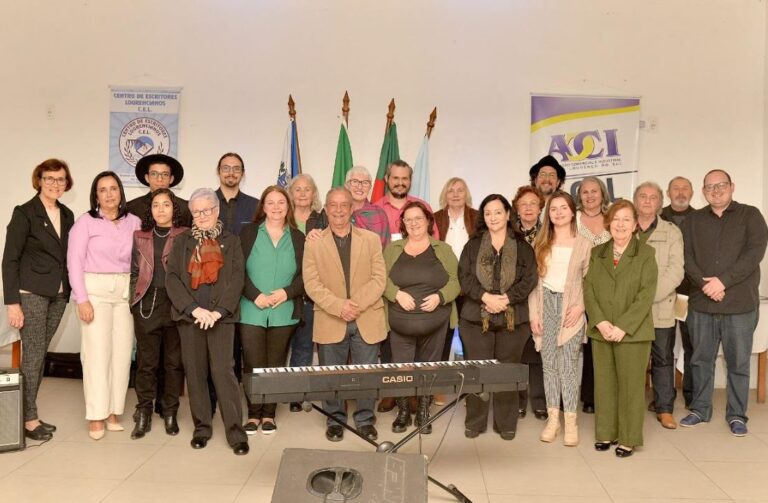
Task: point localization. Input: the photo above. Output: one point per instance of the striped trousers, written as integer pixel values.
(560, 363)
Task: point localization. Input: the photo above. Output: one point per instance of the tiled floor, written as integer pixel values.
(702, 464)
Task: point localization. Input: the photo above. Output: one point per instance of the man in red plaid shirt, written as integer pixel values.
(365, 215)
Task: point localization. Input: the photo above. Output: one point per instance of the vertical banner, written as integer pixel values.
(142, 121)
(589, 136)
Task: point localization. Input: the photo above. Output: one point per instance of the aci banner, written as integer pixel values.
(142, 121)
(590, 136)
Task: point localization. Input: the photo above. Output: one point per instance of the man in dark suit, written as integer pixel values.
(158, 171)
(237, 207)
(236, 210)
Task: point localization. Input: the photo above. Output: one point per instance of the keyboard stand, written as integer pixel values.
(385, 447)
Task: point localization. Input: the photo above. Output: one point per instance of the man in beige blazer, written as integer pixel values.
(345, 276)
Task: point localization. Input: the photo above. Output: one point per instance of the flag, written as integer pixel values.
(289, 163)
(343, 158)
(389, 152)
(420, 182)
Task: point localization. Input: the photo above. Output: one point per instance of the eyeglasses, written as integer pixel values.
(159, 174)
(49, 180)
(334, 206)
(207, 212)
(710, 187)
(359, 183)
(414, 220)
(235, 170)
(546, 175)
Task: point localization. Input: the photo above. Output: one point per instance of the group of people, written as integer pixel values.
(581, 290)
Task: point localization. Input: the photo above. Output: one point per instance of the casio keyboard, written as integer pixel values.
(342, 382)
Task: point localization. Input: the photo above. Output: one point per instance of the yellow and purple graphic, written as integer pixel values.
(589, 136)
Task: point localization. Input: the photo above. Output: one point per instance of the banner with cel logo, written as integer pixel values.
(589, 136)
(142, 121)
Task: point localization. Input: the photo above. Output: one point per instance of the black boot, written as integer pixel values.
(143, 424)
(422, 414)
(403, 419)
(171, 425)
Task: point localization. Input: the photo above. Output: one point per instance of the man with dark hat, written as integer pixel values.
(158, 171)
(547, 175)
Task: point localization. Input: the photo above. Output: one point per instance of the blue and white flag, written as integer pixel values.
(289, 163)
(420, 182)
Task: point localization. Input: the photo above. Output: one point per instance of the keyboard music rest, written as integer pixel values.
(342, 382)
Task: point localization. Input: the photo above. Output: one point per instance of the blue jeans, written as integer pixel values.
(735, 331)
(337, 354)
(301, 344)
(663, 369)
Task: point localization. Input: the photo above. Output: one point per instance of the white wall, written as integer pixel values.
(697, 64)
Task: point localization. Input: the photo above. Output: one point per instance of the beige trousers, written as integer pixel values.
(106, 344)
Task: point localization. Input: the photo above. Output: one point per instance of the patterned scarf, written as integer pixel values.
(206, 259)
(484, 269)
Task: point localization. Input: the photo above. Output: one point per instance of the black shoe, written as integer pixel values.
(171, 425)
(422, 415)
(198, 442)
(39, 433)
(505, 435)
(48, 427)
(604, 446)
(540, 414)
(143, 424)
(623, 452)
(471, 433)
(386, 404)
(589, 408)
(369, 432)
(251, 428)
(240, 448)
(521, 413)
(295, 407)
(334, 433)
(268, 427)
(403, 419)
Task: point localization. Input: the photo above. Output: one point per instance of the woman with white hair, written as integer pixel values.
(307, 209)
(309, 215)
(204, 279)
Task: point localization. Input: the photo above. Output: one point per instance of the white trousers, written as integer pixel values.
(106, 344)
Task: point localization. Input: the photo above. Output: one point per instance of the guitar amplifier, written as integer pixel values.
(320, 476)
(11, 410)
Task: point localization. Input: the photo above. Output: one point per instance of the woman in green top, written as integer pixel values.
(271, 306)
(618, 294)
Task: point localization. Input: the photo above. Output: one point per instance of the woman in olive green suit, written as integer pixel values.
(618, 294)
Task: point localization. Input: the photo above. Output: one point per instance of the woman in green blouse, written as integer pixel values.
(271, 306)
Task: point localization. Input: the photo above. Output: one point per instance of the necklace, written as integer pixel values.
(599, 212)
(154, 229)
(151, 309)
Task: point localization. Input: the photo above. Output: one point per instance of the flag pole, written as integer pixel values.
(431, 122)
(345, 108)
(292, 115)
(390, 116)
